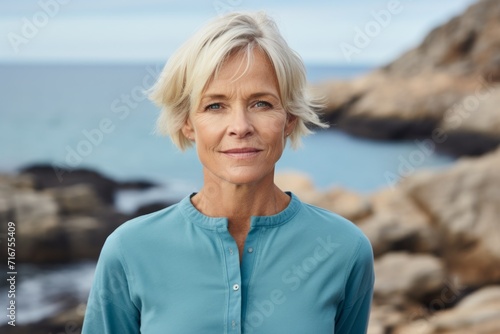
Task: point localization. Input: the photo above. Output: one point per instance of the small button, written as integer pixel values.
(230, 251)
(250, 249)
(236, 287)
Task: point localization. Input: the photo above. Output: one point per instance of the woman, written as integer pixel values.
(239, 256)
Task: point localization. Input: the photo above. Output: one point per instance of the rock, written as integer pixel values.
(423, 94)
(469, 320)
(338, 96)
(473, 123)
(463, 204)
(485, 296)
(298, 183)
(54, 177)
(398, 224)
(346, 203)
(46, 176)
(420, 326)
(383, 317)
(85, 237)
(23, 181)
(76, 199)
(401, 277)
(35, 213)
(71, 319)
(466, 45)
(477, 313)
(431, 94)
(57, 224)
(474, 113)
(343, 202)
(375, 327)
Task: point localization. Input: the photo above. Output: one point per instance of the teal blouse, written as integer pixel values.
(304, 270)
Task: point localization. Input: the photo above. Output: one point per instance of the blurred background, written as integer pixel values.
(411, 157)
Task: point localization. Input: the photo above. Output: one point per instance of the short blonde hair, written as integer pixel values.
(194, 64)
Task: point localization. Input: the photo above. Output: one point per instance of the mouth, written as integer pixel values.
(242, 153)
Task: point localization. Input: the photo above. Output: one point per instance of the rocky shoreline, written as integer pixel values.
(436, 238)
(62, 220)
(447, 87)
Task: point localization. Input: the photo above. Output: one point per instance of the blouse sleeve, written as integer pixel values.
(354, 310)
(110, 309)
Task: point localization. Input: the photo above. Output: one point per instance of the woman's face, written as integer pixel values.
(240, 125)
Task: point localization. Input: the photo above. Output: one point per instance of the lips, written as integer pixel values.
(243, 152)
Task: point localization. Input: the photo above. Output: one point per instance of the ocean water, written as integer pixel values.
(96, 116)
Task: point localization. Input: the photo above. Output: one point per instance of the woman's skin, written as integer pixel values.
(240, 130)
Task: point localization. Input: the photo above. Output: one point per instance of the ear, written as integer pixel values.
(188, 129)
(291, 122)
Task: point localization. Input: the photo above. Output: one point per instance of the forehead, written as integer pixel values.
(241, 67)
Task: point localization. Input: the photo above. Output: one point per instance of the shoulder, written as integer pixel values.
(147, 225)
(352, 248)
(331, 222)
(356, 247)
(136, 235)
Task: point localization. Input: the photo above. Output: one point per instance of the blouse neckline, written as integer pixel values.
(198, 218)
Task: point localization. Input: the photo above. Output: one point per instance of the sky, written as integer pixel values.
(334, 32)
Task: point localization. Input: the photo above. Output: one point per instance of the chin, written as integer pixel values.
(246, 175)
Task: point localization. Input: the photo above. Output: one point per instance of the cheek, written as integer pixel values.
(208, 131)
(272, 132)
(272, 125)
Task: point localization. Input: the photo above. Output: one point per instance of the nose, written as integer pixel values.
(240, 125)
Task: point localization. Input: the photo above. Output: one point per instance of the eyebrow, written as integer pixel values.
(224, 97)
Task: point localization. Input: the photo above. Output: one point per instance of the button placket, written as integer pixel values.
(233, 280)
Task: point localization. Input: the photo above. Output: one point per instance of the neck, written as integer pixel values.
(238, 202)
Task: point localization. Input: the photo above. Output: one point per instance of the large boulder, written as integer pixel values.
(477, 112)
(20, 182)
(54, 177)
(76, 199)
(478, 313)
(429, 91)
(383, 317)
(401, 278)
(36, 218)
(47, 176)
(57, 224)
(397, 223)
(466, 45)
(463, 204)
(34, 213)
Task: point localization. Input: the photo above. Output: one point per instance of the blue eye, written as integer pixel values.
(263, 104)
(213, 106)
